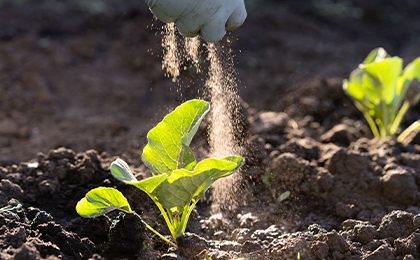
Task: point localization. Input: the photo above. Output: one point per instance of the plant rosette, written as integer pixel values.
(383, 92)
(178, 182)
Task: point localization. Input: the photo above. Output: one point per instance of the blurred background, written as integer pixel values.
(87, 74)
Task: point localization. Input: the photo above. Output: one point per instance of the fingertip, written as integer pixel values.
(212, 33)
(237, 18)
(186, 29)
(162, 16)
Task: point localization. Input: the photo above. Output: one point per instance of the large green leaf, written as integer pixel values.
(412, 70)
(149, 185)
(363, 88)
(168, 142)
(370, 89)
(386, 72)
(354, 86)
(410, 73)
(100, 201)
(182, 186)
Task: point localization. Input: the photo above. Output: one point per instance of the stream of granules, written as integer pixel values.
(171, 56)
(221, 91)
(192, 46)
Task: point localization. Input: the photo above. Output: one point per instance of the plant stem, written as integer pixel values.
(168, 222)
(5, 209)
(408, 131)
(173, 223)
(368, 118)
(399, 117)
(157, 233)
(382, 128)
(184, 219)
(162, 237)
(182, 223)
(385, 112)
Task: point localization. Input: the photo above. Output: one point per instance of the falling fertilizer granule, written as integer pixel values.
(191, 50)
(221, 86)
(171, 59)
(220, 89)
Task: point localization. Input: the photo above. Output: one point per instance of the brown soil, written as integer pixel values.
(81, 84)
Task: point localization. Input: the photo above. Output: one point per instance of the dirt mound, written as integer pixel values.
(353, 202)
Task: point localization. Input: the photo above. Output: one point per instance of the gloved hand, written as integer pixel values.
(209, 18)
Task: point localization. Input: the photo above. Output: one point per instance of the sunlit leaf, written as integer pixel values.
(121, 171)
(149, 185)
(386, 72)
(100, 201)
(167, 149)
(182, 186)
(412, 70)
(377, 54)
(410, 74)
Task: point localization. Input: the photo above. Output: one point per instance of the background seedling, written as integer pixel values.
(11, 209)
(178, 182)
(383, 92)
(267, 178)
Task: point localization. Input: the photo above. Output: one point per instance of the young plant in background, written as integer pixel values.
(178, 182)
(267, 178)
(383, 92)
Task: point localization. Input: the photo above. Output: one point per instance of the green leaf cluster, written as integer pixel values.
(383, 91)
(178, 182)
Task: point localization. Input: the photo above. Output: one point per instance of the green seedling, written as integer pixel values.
(178, 182)
(283, 196)
(383, 92)
(12, 209)
(267, 178)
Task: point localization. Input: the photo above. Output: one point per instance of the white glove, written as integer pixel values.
(209, 18)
